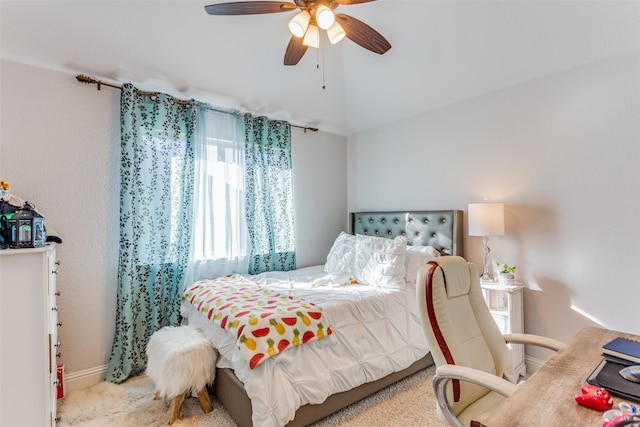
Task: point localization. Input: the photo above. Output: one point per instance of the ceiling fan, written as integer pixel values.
(314, 15)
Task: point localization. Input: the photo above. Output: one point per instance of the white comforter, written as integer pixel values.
(375, 332)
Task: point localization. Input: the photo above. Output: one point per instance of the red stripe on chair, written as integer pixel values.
(442, 343)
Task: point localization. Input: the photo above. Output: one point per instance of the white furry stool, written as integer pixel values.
(180, 359)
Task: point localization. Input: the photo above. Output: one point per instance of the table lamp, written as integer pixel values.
(486, 219)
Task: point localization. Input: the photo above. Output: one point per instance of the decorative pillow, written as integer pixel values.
(380, 261)
(341, 257)
(417, 256)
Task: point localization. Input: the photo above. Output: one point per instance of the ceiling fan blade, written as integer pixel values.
(249, 7)
(348, 2)
(362, 34)
(295, 51)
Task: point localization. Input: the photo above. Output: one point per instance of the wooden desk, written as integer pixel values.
(546, 399)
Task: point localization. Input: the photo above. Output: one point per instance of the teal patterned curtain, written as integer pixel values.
(156, 188)
(269, 192)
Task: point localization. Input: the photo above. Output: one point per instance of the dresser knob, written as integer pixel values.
(56, 382)
(59, 324)
(58, 293)
(54, 271)
(57, 262)
(54, 308)
(57, 419)
(58, 355)
(58, 344)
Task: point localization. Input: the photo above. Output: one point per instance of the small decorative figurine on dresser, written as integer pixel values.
(26, 228)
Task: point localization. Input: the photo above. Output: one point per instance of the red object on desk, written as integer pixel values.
(594, 397)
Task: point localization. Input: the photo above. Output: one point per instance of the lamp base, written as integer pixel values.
(485, 252)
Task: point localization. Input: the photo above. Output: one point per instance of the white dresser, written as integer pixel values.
(29, 338)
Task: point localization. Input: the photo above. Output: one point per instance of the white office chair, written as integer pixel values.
(470, 353)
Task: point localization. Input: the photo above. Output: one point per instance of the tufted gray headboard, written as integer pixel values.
(440, 229)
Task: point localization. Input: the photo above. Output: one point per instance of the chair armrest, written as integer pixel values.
(475, 376)
(446, 373)
(537, 340)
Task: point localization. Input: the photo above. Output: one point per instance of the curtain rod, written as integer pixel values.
(86, 79)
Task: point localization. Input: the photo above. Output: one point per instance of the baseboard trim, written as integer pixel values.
(85, 378)
(533, 364)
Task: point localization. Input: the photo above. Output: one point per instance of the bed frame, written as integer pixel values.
(439, 229)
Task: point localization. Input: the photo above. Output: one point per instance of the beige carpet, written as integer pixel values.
(409, 402)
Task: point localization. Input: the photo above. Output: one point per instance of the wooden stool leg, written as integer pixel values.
(176, 408)
(205, 400)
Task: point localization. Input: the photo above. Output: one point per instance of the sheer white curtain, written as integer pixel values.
(220, 243)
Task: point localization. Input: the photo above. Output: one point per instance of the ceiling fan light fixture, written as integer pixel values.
(336, 33)
(299, 23)
(311, 16)
(324, 16)
(312, 37)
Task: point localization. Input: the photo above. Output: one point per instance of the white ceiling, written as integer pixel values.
(443, 52)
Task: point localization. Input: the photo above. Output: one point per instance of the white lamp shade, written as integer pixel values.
(486, 219)
(335, 33)
(299, 23)
(312, 37)
(324, 17)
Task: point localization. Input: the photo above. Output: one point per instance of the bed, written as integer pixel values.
(372, 335)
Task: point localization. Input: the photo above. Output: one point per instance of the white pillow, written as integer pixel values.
(417, 256)
(341, 257)
(380, 261)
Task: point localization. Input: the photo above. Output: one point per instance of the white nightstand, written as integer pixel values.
(506, 306)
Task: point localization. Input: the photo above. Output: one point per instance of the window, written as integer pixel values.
(219, 227)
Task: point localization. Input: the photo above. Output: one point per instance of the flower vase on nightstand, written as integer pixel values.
(506, 274)
(506, 279)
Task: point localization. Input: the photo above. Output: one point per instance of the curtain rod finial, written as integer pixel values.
(88, 80)
(84, 79)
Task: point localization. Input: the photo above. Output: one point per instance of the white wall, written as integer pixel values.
(60, 148)
(563, 154)
(320, 173)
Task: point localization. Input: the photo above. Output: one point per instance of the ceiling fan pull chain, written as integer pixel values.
(322, 44)
(323, 64)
